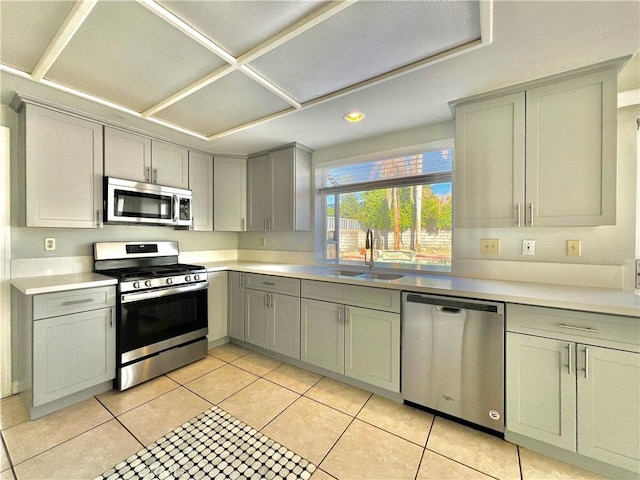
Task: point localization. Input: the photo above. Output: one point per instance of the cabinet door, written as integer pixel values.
(322, 334)
(201, 186)
(571, 151)
(372, 347)
(282, 190)
(489, 163)
(235, 315)
(609, 406)
(258, 203)
(63, 170)
(257, 318)
(285, 324)
(127, 155)
(217, 305)
(229, 194)
(72, 353)
(170, 164)
(541, 389)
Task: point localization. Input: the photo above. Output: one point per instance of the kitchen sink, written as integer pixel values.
(380, 276)
(347, 273)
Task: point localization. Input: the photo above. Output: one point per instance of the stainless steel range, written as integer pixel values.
(161, 308)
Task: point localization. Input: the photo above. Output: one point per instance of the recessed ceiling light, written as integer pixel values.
(353, 116)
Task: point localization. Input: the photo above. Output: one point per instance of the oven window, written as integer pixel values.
(142, 205)
(146, 322)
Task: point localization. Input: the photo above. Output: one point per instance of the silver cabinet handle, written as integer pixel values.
(586, 362)
(147, 174)
(98, 218)
(518, 214)
(265, 224)
(77, 302)
(346, 315)
(581, 329)
(266, 300)
(271, 284)
(570, 348)
(111, 317)
(155, 175)
(340, 313)
(531, 206)
(269, 223)
(242, 279)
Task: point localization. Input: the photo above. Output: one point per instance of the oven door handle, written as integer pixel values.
(134, 297)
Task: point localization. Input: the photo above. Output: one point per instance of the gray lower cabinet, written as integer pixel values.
(578, 386)
(361, 343)
(71, 353)
(66, 346)
(235, 311)
(272, 313)
(217, 309)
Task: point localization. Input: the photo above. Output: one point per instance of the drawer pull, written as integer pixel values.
(271, 284)
(77, 302)
(582, 329)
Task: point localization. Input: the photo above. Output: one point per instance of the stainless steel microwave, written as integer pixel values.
(127, 201)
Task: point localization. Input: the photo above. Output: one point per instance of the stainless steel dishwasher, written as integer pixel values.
(453, 357)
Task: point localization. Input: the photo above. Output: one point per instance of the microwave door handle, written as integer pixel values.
(176, 209)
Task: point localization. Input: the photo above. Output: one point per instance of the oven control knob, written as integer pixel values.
(169, 281)
(187, 278)
(147, 283)
(136, 284)
(196, 277)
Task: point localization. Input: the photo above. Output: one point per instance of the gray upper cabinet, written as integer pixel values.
(62, 169)
(229, 194)
(136, 157)
(127, 155)
(544, 156)
(170, 164)
(279, 190)
(201, 186)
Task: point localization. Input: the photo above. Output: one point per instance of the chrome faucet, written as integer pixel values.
(369, 245)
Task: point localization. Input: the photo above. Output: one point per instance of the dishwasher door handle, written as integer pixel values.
(449, 310)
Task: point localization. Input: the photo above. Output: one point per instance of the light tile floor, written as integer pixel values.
(347, 432)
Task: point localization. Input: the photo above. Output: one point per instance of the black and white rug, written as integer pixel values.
(213, 445)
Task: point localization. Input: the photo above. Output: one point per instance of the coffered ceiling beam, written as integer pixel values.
(188, 30)
(68, 29)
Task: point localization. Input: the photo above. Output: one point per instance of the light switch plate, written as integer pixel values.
(574, 248)
(490, 246)
(528, 247)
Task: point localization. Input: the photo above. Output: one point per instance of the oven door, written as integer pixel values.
(156, 320)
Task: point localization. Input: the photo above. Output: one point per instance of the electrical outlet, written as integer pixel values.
(49, 244)
(490, 246)
(574, 248)
(528, 247)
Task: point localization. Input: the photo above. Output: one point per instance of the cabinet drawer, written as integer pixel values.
(63, 303)
(368, 297)
(270, 283)
(590, 328)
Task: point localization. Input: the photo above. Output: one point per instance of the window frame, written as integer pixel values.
(322, 193)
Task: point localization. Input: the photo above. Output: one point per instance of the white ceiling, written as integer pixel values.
(243, 76)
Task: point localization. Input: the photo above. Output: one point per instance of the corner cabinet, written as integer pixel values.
(235, 302)
(573, 381)
(229, 194)
(62, 169)
(353, 331)
(217, 307)
(279, 190)
(543, 156)
(201, 186)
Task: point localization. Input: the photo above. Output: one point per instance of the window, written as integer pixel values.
(404, 200)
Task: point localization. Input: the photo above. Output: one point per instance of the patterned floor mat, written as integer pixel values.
(213, 445)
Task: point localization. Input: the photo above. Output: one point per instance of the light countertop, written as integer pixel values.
(59, 283)
(599, 300)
